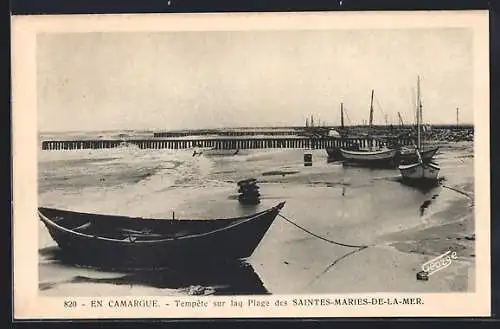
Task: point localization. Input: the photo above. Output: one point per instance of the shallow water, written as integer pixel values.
(358, 206)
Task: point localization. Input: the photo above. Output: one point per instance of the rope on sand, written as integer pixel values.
(358, 247)
(335, 263)
(457, 190)
(320, 237)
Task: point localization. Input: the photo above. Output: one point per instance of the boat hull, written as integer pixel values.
(220, 239)
(410, 156)
(334, 154)
(370, 158)
(420, 171)
(220, 152)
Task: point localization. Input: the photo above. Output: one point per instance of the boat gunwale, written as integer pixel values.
(411, 152)
(412, 165)
(389, 151)
(130, 218)
(237, 221)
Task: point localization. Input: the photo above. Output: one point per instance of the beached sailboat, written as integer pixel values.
(408, 154)
(421, 169)
(372, 155)
(382, 156)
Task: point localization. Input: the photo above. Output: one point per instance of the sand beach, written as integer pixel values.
(402, 227)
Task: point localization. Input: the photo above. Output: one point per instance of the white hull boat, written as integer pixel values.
(387, 155)
(420, 171)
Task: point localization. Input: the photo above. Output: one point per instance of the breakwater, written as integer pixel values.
(221, 143)
(231, 132)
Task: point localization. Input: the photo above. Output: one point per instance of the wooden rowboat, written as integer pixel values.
(119, 241)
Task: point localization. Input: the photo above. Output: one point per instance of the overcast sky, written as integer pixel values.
(174, 80)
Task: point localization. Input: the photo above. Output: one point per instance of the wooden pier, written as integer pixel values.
(231, 132)
(219, 143)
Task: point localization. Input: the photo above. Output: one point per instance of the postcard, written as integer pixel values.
(243, 165)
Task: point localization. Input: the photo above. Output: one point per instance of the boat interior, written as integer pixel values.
(130, 228)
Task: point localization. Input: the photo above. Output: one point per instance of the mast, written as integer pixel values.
(342, 115)
(419, 114)
(457, 117)
(401, 120)
(371, 110)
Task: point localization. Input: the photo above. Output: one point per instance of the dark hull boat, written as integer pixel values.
(117, 241)
(410, 156)
(334, 154)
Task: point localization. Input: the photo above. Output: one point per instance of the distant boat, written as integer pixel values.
(371, 156)
(334, 152)
(420, 169)
(376, 157)
(216, 152)
(138, 242)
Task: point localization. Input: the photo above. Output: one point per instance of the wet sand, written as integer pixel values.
(402, 226)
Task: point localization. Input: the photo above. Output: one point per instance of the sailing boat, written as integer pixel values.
(334, 152)
(371, 156)
(421, 169)
(408, 154)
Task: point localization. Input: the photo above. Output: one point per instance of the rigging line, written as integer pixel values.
(347, 116)
(320, 237)
(413, 105)
(379, 107)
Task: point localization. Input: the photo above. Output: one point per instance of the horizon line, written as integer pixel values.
(465, 124)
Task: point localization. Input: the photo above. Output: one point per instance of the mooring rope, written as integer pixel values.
(457, 190)
(350, 253)
(320, 237)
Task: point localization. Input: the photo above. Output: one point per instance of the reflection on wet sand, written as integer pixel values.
(227, 278)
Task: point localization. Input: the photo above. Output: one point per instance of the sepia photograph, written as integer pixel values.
(318, 160)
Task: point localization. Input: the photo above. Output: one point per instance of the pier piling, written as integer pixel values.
(224, 143)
